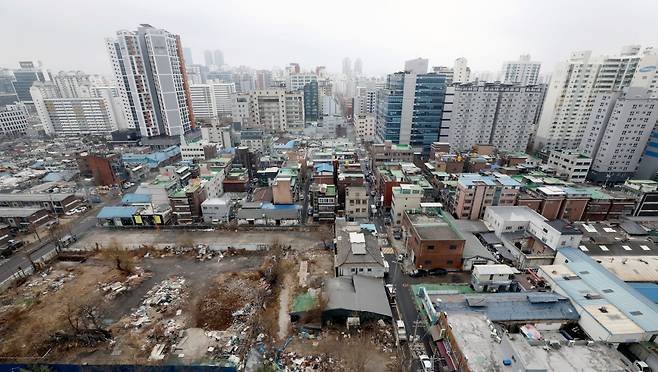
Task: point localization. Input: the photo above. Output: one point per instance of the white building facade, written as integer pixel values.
(617, 133)
(204, 105)
(573, 88)
(365, 127)
(502, 115)
(149, 69)
(524, 71)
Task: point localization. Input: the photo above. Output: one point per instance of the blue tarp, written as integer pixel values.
(280, 206)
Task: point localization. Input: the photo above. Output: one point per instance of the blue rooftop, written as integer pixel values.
(280, 206)
(469, 179)
(323, 167)
(136, 198)
(648, 290)
(117, 212)
(594, 278)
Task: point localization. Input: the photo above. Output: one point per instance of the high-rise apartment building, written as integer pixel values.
(573, 88)
(187, 54)
(71, 116)
(25, 76)
(73, 84)
(298, 81)
(263, 79)
(502, 115)
(365, 127)
(365, 101)
(461, 71)
(646, 74)
(7, 91)
(219, 58)
(204, 105)
(617, 133)
(274, 110)
(524, 71)
(311, 101)
(410, 110)
(224, 97)
(13, 120)
(208, 58)
(152, 80)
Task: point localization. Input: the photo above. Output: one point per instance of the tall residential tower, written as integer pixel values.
(152, 81)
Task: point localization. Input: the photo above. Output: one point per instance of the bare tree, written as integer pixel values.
(121, 257)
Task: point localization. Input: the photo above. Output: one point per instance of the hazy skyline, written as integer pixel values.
(69, 35)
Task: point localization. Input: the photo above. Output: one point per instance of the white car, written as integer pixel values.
(426, 362)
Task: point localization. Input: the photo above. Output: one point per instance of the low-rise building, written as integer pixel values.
(475, 193)
(431, 240)
(216, 210)
(186, 203)
(58, 203)
(570, 165)
(492, 278)
(268, 214)
(405, 197)
(610, 310)
(24, 219)
(324, 200)
(198, 150)
(356, 202)
(236, 180)
(357, 251)
(389, 152)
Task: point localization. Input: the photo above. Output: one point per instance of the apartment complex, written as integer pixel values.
(150, 74)
(524, 71)
(13, 120)
(617, 132)
(274, 110)
(204, 105)
(223, 93)
(502, 115)
(572, 91)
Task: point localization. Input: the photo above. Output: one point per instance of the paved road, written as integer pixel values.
(21, 260)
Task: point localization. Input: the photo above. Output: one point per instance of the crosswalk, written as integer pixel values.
(388, 250)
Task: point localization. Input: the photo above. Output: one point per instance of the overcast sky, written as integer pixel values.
(68, 34)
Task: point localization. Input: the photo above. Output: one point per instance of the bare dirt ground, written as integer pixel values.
(300, 241)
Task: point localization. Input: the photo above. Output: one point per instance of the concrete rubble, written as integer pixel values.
(159, 299)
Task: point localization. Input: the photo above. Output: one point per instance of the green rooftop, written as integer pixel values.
(304, 302)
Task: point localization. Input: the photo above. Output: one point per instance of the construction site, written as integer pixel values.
(186, 303)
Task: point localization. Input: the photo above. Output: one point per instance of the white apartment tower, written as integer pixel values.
(617, 133)
(461, 71)
(204, 105)
(274, 110)
(150, 74)
(223, 97)
(524, 71)
(502, 115)
(573, 88)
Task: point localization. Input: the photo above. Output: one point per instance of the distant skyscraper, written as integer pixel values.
(410, 110)
(152, 81)
(570, 97)
(462, 73)
(203, 101)
(219, 58)
(7, 91)
(646, 74)
(347, 66)
(208, 58)
(25, 76)
(417, 66)
(187, 53)
(358, 67)
(263, 79)
(524, 71)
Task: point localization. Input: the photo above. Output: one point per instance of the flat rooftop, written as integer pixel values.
(602, 239)
(433, 227)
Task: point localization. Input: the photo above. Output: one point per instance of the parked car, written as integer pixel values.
(402, 331)
(437, 272)
(400, 258)
(67, 240)
(418, 273)
(397, 234)
(373, 193)
(15, 243)
(390, 290)
(426, 362)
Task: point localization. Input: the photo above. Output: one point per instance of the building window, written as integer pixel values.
(453, 247)
(428, 262)
(449, 262)
(430, 247)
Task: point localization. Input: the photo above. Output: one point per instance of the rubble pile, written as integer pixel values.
(293, 362)
(49, 281)
(114, 289)
(158, 299)
(226, 302)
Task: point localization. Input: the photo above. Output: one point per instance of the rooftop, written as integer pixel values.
(18, 212)
(432, 226)
(117, 212)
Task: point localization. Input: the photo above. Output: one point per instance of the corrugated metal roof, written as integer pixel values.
(117, 212)
(357, 293)
(136, 198)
